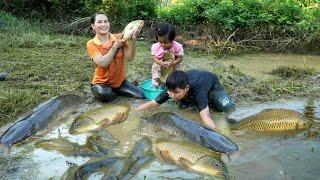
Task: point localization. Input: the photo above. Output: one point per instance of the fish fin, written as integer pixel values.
(164, 155)
(119, 118)
(202, 141)
(5, 149)
(33, 129)
(185, 163)
(59, 133)
(36, 137)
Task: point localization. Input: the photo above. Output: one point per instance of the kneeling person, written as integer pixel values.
(199, 87)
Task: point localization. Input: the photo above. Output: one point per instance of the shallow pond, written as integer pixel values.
(259, 65)
(259, 156)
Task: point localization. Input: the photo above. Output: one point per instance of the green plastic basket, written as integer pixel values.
(150, 92)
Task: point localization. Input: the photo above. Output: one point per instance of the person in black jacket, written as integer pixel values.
(194, 87)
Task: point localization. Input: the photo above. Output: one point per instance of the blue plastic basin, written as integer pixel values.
(149, 90)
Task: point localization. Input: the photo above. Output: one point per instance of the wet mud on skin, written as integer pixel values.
(260, 156)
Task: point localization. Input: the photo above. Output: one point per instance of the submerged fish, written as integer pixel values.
(101, 140)
(273, 120)
(65, 147)
(98, 118)
(190, 156)
(193, 131)
(40, 119)
(90, 167)
(142, 155)
(119, 167)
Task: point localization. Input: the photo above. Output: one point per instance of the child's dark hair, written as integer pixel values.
(93, 17)
(166, 30)
(177, 79)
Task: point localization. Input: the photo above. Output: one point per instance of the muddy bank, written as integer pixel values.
(36, 75)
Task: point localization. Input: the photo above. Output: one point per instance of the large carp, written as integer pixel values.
(40, 119)
(273, 120)
(190, 156)
(131, 28)
(99, 117)
(193, 131)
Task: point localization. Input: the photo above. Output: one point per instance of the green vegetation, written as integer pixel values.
(249, 24)
(221, 26)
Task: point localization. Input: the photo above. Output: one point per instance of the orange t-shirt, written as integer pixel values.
(114, 73)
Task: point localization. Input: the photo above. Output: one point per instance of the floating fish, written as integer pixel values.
(41, 118)
(192, 131)
(190, 156)
(98, 118)
(65, 147)
(273, 120)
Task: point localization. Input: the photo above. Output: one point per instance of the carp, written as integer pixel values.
(131, 28)
(190, 156)
(90, 167)
(101, 140)
(192, 131)
(142, 155)
(41, 118)
(67, 148)
(273, 120)
(119, 167)
(166, 71)
(98, 118)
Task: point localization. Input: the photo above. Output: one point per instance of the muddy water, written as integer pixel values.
(259, 157)
(260, 64)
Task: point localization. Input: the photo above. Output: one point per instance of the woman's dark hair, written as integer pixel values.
(177, 79)
(166, 30)
(93, 17)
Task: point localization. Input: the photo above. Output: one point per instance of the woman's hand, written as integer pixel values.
(118, 43)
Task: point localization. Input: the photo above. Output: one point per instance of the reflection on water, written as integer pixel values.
(260, 64)
(259, 156)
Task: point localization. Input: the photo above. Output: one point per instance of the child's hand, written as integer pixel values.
(166, 64)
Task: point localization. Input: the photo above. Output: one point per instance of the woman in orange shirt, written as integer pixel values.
(108, 52)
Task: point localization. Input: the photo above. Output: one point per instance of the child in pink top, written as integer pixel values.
(166, 53)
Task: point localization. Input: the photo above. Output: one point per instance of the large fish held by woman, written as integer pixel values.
(99, 117)
(41, 118)
(273, 120)
(193, 131)
(131, 28)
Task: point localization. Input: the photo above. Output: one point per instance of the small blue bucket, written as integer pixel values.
(149, 90)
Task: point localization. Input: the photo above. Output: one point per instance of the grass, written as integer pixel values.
(42, 65)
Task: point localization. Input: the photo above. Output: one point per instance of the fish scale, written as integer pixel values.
(192, 131)
(192, 152)
(106, 113)
(273, 120)
(100, 117)
(192, 156)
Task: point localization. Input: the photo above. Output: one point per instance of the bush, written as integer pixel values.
(50, 9)
(120, 12)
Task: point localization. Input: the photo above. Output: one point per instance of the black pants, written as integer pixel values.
(106, 93)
